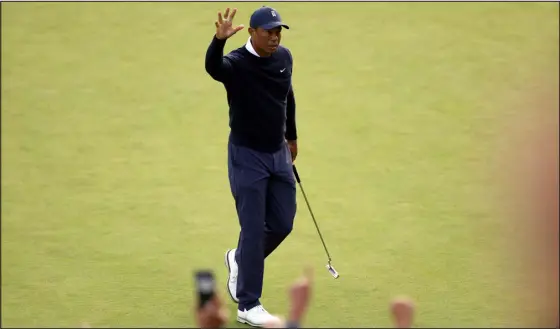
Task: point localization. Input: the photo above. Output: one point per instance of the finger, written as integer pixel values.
(217, 300)
(220, 18)
(216, 23)
(225, 312)
(211, 304)
(223, 315)
(210, 307)
(233, 12)
(226, 14)
(239, 28)
(308, 273)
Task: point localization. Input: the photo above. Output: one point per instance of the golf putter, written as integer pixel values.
(329, 266)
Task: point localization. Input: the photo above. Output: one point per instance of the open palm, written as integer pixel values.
(224, 26)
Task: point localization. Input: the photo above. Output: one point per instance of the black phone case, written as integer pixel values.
(205, 286)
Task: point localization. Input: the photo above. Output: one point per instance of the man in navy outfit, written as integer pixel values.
(261, 149)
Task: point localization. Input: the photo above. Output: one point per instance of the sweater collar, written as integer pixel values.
(250, 48)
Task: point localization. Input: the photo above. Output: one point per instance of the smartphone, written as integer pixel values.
(205, 286)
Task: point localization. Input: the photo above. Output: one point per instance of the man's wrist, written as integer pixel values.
(219, 39)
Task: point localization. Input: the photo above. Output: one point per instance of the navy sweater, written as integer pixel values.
(259, 93)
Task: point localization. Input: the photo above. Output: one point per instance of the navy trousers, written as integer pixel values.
(264, 190)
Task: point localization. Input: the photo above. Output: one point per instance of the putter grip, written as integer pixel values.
(296, 174)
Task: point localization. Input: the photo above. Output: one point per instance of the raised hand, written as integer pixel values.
(224, 27)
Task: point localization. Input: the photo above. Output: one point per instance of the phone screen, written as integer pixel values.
(205, 286)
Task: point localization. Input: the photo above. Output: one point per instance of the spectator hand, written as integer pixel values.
(300, 295)
(212, 315)
(402, 310)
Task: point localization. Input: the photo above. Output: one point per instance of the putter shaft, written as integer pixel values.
(312, 215)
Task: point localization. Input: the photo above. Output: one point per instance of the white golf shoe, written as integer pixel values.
(256, 317)
(231, 265)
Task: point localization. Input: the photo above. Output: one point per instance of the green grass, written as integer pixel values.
(114, 182)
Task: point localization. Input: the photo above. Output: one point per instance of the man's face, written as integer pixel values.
(266, 41)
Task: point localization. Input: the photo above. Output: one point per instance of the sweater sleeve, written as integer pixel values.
(218, 67)
(291, 131)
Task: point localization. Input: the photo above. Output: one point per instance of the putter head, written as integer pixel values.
(333, 272)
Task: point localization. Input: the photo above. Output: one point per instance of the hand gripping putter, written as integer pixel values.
(331, 269)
